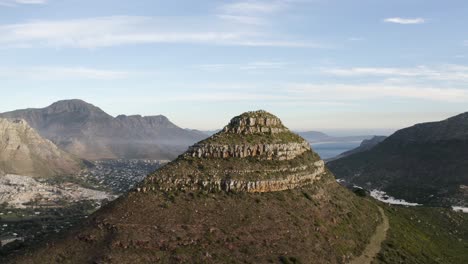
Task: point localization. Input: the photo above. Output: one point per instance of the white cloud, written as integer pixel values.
(22, 2)
(405, 21)
(253, 12)
(441, 73)
(352, 92)
(125, 30)
(355, 39)
(250, 66)
(253, 7)
(59, 73)
(251, 20)
(306, 93)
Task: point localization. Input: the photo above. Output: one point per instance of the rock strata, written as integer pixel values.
(262, 151)
(255, 152)
(304, 176)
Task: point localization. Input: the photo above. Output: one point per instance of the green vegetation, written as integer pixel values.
(186, 227)
(425, 235)
(256, 114)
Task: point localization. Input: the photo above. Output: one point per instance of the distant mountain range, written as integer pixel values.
(315, 137)
(87, 131)
(24, 152)
(365, 145)
(426, 163)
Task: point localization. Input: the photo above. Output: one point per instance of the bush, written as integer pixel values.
(289, 260)
(360, 192)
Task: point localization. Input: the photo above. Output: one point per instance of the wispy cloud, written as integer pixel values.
(311, 93)
(250, 66)
(59, 73)
(405, 21)
(253, 7)
(126, 30)
(252, 12)
(251, 20)
(441, 73)
(351, 92)
(22, 2)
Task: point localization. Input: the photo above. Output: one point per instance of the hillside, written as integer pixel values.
(424, 235)
(425, 163)
(88, 132)
(252, 193)
(24, 152)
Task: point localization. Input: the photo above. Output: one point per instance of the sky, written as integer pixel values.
(327, 65)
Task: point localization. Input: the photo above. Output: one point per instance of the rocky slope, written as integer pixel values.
(23, 151)
(90, 133)
(252, 193)
(425, 163)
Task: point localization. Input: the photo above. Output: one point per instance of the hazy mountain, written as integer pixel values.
(425, 163)
(365, 145)
(24, 152)
(315, 137)
(252, 193)
(87, 131)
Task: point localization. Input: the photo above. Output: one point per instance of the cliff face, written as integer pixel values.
(90, 133)
(23, 151)
(261, 151)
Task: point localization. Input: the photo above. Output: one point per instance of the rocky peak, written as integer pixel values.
(255, 152)
(74, 106)
(255, 122)
(256, 134)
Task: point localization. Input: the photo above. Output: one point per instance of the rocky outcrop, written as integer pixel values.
(254, 123)
(262, 151)
(253, 153)
(293, 178)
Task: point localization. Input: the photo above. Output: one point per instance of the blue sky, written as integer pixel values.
(318, 64)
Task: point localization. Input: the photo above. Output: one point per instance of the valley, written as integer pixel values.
(33, 209)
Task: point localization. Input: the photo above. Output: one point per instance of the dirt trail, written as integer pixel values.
(373, 248)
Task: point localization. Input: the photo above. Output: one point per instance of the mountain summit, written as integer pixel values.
(255, 152)
(88, 132)
(252, 193)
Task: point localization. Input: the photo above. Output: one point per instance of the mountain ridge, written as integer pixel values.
(88, 132)
(424, 163)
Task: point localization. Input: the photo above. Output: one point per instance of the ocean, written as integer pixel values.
(328, 150)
